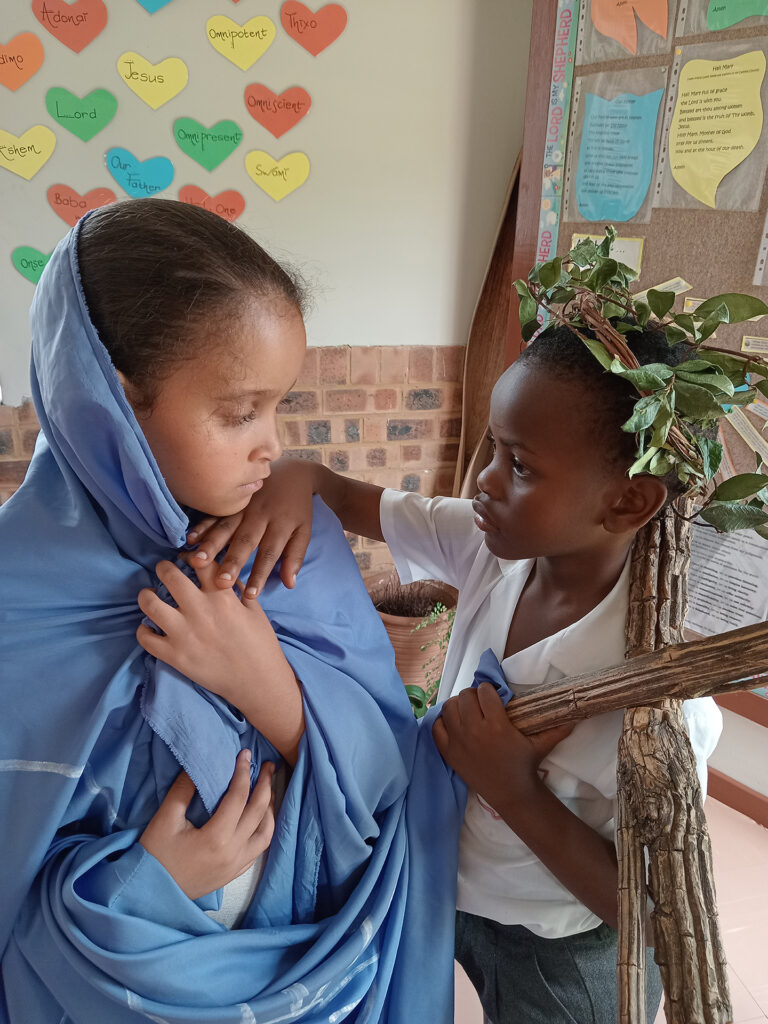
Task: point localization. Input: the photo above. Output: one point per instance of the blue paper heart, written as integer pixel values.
(139, 178)
(153, 5)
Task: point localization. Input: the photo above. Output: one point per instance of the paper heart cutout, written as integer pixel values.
(153, 83)
(278, 114)
(153, 5)
(277, 178)
(207, 146)
(25, 154)
(242, 44)
(139, 178)
(314, 30)
(71, 206)
(20, 59)
(229, 204)
(30, 262)
(75, 24)
(84, 117)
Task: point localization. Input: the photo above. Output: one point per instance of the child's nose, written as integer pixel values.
(487, 480)
(270, 447)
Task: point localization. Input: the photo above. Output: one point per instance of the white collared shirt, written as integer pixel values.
(499, 877)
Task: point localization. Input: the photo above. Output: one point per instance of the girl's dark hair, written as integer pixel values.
(155, 272)
(609, 400)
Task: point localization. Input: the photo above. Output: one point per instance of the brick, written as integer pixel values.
(424, 398)
(309, 371)
(410, 453)
(384, 399)
(394, 365)
(27, 414)
(291, 431)
(449, 362)
(8, 415)
(364, 365)
(353, 539)
(410, 482)
(310, 454)
(407, 430)
(420, 364)
(28, 441)
(443, 481)
(376, 457)
(452, 399)
(7, 445)
(356, 455)
(13, 472)
(450, 427)
(299, 401)
(348, 400)
(351, 431)
(319, 432)
(363, 560)
(334, 364)
(374, 428)
(338, 461)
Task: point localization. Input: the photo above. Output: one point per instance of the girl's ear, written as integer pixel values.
(637, 501)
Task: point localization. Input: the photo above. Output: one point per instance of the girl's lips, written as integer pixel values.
(255, 485)
(482, 522)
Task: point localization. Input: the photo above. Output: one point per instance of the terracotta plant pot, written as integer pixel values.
(418, 657)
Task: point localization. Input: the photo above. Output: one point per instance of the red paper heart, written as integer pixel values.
(20, 59)
(278, 114)
(229, 204)
(71, 206)
(76, 24)
(313, 30)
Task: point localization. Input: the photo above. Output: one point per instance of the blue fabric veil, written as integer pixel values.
(353, 918)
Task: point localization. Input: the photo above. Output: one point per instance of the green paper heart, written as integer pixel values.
(83, 117)
(207, 146)
(30, 262)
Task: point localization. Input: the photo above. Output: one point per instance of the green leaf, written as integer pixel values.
(604, 248)
(601, 275)
(761, 531)
(629, 272)
(661, 464)
(643, 311)
(685, 321)
(522, 289)
(651, 377)
(762, 387)
(638, 466)
(727, 516)
(528, 309)
(742, 397)
(708, 327)
(549, 273)
(660, 302)
(717, 383)
(529, 329)
(674, 335)
(697, 402)
(740, 307)
(733, 366)
(711, 455)
(644, 414)
(741, 486)
(599, 351)
(562, 295)
(584, 253)
(663, 422)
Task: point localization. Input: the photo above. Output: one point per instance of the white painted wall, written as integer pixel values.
(415, 124)
(742, 752)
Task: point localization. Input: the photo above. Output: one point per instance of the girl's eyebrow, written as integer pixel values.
(510, 443)
(238, 396)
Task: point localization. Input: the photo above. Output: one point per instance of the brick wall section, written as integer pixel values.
(391, 416)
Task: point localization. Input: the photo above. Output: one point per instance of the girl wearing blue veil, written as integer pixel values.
(141, 879)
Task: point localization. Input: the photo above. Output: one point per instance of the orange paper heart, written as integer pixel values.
(229, 204)
(75, 24)
(314, 30)
(71, 206)
(20, 59)
(278, 114)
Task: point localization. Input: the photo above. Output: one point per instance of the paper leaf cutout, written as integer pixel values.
(724, 13)
(25, 154)
(20, 59)
(616, 19)
(75, 24)
(30, 262)
(242, 44)
(278, 178)
(71, 206)
(717, 121)
(278, 114)
(84, 117)
(139, 178)
(314, 30)
(229, 204)
(155, 84)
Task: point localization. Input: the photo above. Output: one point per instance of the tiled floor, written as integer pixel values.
(740, 850)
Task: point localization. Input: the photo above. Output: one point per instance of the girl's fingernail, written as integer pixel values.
(246, 755)
(192, 535)
(250, 591)
(225, 575)
(202, 555)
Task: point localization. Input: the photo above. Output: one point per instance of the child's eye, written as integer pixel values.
(491, 440)
(247, 417)
(517, 467)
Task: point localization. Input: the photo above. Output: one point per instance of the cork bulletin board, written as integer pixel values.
(712, 234)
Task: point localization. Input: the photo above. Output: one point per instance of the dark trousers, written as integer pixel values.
(524, 979)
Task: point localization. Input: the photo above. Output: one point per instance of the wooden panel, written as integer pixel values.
(738, 796)
(748, 705)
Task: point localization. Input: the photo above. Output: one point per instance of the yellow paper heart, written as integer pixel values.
(242, 44)
(277, 177)
(25, 154)
(153, 83)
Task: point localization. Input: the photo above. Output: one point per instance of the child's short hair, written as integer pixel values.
(154, 270)
(609, 399)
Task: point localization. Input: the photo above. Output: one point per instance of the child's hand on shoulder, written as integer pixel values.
(277, 521)
(476, 738)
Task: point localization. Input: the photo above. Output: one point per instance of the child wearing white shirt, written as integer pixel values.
(540, 560)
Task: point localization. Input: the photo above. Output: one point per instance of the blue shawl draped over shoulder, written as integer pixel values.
(353, 917)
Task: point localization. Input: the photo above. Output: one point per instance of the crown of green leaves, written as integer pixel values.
(588, 290)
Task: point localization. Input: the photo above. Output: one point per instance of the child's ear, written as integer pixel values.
(637, 501)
